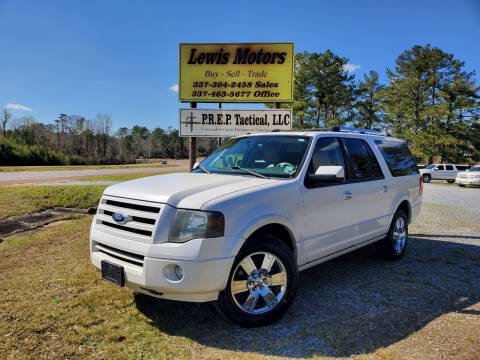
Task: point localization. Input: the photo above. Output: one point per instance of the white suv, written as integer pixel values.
(259, 209)
(442, 172)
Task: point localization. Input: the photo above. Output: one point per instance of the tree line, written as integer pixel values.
(75, 140)
(429, 100)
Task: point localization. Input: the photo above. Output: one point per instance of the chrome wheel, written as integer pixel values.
(400, 235)
(258, 283)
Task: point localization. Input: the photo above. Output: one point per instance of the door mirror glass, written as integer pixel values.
(328, 174)
(196, 165)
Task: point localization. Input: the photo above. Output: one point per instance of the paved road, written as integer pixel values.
(42, 177)
(466, 198)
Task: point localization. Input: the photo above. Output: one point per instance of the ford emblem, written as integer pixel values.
(120, 218)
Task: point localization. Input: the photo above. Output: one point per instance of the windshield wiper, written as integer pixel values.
(204, 169)
(249, 171)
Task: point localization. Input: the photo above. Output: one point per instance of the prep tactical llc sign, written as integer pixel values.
(254, 72)
(227, 123)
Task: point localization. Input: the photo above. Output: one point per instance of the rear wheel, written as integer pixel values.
(461, 185)
(450, 181)
(262, 283)
(426, 178)
(394, 245)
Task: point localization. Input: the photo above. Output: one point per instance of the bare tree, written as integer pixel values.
(6, 115)
(103, 126)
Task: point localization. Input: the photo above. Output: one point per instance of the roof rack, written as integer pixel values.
(352, 129)
(340, 129)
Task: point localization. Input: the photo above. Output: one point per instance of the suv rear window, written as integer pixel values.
(398, 157)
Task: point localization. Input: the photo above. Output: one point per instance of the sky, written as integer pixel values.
(121, 57)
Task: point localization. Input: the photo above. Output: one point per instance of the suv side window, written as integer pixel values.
(327, 152)
(449, 167)
(363, 164)
(398, 157)
(439, 167)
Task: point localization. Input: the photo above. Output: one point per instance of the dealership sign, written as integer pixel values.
(254, 72)
(228, 123)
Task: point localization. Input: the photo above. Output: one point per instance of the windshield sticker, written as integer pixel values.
(288, 170)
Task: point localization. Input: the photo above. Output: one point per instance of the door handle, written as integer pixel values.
(385, 188)
(347, 195)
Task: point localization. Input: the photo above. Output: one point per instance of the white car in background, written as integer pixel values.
(446, 172)
(469, 177)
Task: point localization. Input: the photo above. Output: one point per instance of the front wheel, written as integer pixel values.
(261, 285)
(394, 245)
(461, 185)
(426, 178)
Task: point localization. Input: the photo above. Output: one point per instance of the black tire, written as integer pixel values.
(450, 181)
(461, 185)
(230, 308)
(387, 247)
(426, 178)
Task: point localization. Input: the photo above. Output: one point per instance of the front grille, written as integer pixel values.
(126, 256)
(141, 218)
(133, 206)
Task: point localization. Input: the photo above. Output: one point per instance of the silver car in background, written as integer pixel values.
(469, 177)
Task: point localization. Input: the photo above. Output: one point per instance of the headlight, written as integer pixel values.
(192, 224)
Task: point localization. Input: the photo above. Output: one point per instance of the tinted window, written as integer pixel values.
(449, 167)
(439, 167)
(462, 167)
(327, 153)
(474, 169)
(398, 157)
(376, 171)
(359, 158)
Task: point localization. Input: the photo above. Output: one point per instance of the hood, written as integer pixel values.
(184, 190)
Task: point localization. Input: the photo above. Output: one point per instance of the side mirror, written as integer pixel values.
(195, 166)
(328, 174)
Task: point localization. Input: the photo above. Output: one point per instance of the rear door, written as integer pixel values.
(438, 172)
(450, 172)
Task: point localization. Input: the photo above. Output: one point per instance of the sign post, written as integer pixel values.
(192, 144)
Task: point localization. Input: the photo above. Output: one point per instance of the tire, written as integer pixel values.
(426, 178)
(393, 246)
(461, 185)
(450, 181)
(254, 282)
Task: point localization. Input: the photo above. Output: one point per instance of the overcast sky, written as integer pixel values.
(121, 57)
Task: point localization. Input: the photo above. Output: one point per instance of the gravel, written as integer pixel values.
(452, 195)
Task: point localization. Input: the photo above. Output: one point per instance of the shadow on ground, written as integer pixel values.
(353, 304)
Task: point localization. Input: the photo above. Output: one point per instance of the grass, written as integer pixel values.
(77, 167)
(53, 304)
(126, 177)
(17, 200)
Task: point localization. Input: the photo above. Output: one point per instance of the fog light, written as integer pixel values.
(179, 272)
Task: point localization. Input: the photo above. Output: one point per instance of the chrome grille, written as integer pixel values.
(141, 218)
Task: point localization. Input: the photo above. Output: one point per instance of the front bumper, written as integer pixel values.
(204, 277)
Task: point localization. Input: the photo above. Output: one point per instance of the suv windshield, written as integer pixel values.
(430, 166)
(272, 155)
(474, 169)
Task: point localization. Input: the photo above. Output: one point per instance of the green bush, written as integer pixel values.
(13, 153)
